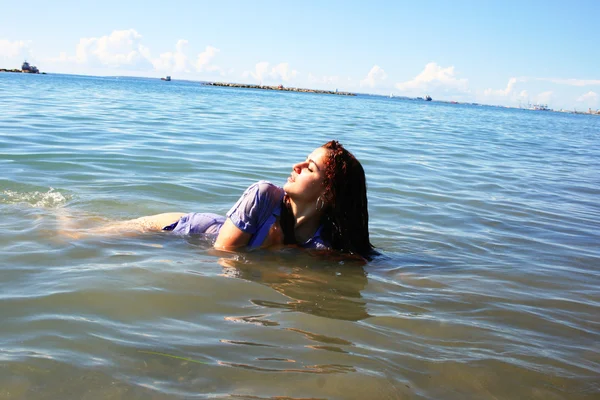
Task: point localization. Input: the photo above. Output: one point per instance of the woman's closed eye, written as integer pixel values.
(308, 165)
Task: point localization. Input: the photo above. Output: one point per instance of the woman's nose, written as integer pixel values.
(298, 167)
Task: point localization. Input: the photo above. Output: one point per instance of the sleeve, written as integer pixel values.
(255, 206)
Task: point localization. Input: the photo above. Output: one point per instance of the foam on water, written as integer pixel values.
(49, 199)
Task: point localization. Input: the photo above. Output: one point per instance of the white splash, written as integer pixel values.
(49, 199)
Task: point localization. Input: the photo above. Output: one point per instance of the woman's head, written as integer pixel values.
(325, 175)
(333, 181)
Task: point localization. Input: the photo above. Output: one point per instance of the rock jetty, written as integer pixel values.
(280, 87)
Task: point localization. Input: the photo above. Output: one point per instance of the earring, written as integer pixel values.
(320, 203)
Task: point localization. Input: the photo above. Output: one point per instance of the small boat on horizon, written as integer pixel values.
(426, 98)
(26, 67)
(167, 78)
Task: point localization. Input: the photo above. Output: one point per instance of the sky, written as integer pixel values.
(505, 52)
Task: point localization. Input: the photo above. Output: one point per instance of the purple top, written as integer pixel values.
(254, 213)
(257, 210)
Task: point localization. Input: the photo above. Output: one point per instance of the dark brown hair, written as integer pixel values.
(346, 218)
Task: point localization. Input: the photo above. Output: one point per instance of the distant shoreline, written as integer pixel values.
(20, 71)
(319, 91)
(279, 87)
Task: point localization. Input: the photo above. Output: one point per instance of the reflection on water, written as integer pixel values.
(312, 284)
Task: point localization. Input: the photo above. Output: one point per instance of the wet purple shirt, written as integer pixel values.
(254, 213)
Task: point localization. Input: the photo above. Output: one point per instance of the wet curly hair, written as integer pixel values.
(346, 217)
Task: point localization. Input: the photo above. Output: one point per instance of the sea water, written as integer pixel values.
(486, 220)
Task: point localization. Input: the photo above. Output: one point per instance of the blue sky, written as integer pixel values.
(504, 52)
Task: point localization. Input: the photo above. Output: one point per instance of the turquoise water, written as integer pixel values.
(486, 220)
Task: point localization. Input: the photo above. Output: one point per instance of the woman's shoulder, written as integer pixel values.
(259, 201)
(267, 188)
(260, 195)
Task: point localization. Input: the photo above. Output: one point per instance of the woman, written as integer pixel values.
(323, 205)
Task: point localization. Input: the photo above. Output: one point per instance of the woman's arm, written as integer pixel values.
(231, 237)
(248, 215)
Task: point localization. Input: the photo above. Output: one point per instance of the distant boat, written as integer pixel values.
(391, 95)
(29, 68)
(168, 78)
(537, 107)
(427, 97)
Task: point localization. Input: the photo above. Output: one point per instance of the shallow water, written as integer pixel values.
(486, 220)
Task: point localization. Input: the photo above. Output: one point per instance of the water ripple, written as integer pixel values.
(486, 220)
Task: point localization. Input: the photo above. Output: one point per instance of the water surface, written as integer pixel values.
(486, 220)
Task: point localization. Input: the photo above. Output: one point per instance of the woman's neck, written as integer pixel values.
(306, 219)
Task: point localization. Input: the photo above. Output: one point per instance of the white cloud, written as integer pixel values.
(544, 97)
(510, 95)
(503, 92)
(144, 51)
(123, 49)
(260, 71)
(510, 92)
(62, 57)
(175, 61)
(119, 49)
(590, 99)
(326, 80)
(264, 73)
(572, 82)
(376, 74)
(434, 77)
(203, 62)
(283, 71)
(16, 49)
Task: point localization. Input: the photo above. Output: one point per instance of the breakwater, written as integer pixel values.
(279, 87)
(21, 71)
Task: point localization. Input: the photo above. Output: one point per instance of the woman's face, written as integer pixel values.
(305, 184)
